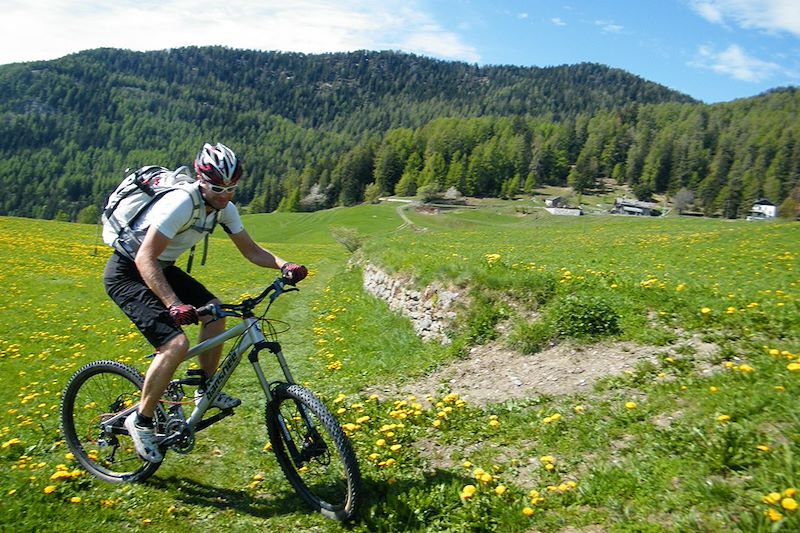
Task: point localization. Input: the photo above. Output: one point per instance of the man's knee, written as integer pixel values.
(175, 348)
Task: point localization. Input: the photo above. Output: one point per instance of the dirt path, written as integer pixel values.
(492, 374)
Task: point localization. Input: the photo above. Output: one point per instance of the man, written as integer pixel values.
(160, 298)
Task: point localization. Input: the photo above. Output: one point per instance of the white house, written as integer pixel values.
(763, 210)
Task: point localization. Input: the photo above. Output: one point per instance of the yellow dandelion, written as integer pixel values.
(705, 310)
(773, 515)
(630, 405)
(790, 504)
(75, 499)
(11, 442)
(762, 447)
(723, 419)
(501, 489)
(527, 511)
(468, 492)
(772, 498)
(49, 489)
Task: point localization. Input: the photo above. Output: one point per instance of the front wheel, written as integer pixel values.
(94, 395)
(313, 451)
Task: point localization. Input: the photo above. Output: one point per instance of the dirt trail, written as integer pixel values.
(492, 374)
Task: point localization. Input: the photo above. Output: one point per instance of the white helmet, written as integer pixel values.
(218, 165)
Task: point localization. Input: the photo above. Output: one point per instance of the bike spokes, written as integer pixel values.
(93, 410)
(313, 452)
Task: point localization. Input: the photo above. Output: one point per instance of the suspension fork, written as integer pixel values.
(275, 348)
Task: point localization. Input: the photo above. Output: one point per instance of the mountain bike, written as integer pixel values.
(307, 440)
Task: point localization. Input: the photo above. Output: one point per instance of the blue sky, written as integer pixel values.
(712, 50)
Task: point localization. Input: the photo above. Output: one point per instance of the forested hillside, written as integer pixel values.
(321, 130)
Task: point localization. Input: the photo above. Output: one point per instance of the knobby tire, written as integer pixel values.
(328, 477)
(95, 393)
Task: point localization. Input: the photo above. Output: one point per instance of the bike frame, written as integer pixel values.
(252, 337)
(250, 329)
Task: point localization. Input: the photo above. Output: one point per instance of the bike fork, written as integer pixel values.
(298, 456)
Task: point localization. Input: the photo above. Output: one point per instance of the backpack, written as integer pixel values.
(131, 200)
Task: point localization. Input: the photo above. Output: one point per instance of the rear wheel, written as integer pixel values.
(318, 460)
(94, 395)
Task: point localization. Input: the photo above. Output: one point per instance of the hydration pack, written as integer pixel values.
(134, 196)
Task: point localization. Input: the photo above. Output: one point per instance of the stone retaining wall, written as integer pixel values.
(430, 310)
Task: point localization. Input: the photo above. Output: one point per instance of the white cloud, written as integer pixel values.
(780, 16)
(557, 21)
(311, 26)
(608, 26)
(735, 63)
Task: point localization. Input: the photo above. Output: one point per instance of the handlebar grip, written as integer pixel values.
(211, 310)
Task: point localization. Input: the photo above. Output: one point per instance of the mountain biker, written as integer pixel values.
(159, 298)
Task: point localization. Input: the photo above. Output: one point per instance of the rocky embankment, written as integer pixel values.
(430, 310)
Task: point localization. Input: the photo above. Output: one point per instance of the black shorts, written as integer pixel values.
(126, 287)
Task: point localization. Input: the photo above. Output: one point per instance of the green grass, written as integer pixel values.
(682, 444)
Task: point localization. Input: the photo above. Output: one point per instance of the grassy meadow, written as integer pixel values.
(692, 442)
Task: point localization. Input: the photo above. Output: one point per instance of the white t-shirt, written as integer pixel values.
(174, 210)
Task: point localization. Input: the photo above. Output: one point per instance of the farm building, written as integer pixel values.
(556, 201)
(625, 206)
(763, 210)
(558, 205)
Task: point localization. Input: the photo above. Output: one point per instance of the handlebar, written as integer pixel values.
(245, 308)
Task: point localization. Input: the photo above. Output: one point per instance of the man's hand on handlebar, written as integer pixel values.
(183, 314)
(293, 272)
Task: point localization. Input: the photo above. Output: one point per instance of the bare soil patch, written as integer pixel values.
(492, 373)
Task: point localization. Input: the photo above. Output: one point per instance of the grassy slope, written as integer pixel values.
(666, 464)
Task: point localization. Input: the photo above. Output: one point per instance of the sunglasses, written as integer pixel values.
(219, 190)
